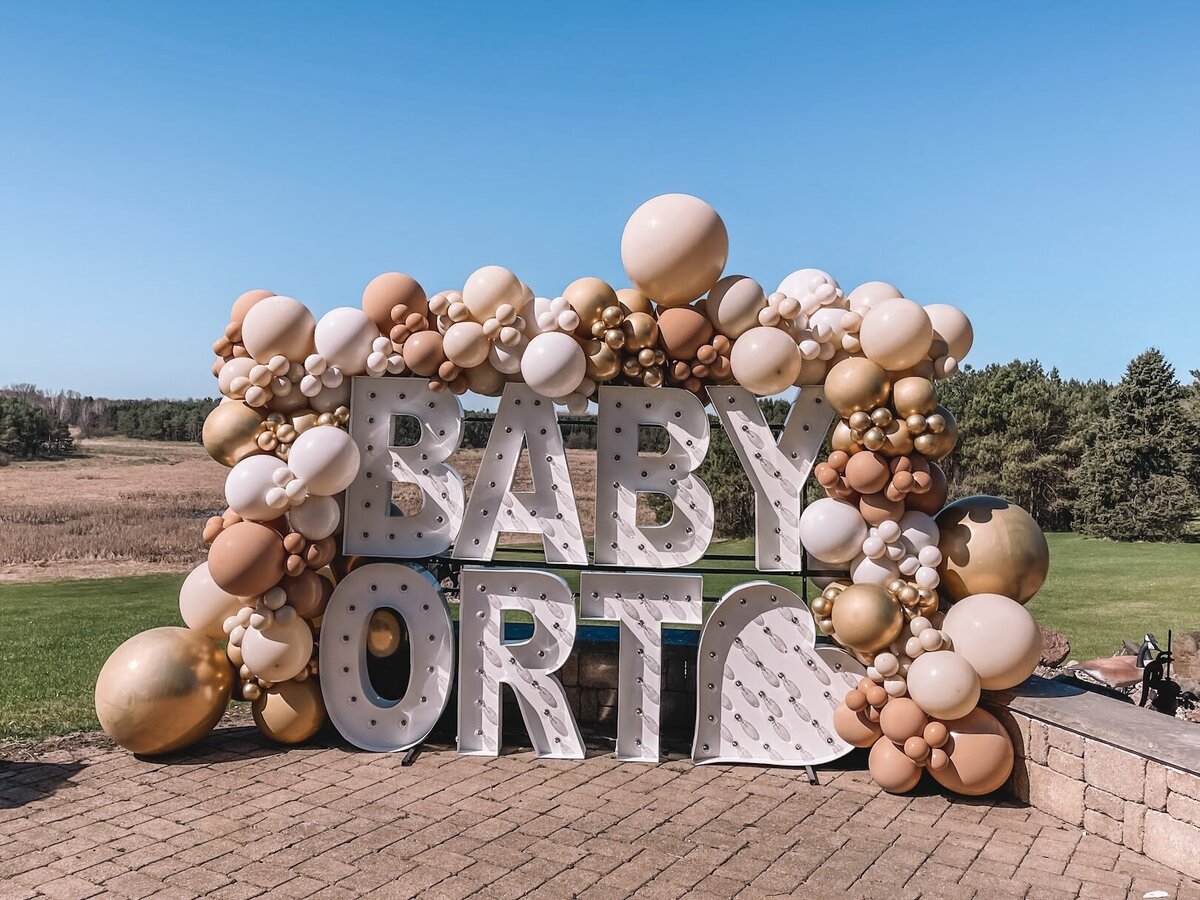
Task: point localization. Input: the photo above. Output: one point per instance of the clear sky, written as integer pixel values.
(1036, 163)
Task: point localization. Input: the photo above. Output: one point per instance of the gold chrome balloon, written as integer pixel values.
(635, 301)
(163, 689)
(385, 633)
(991, 546)
(231, 431)
(938, 445)
(603, 364)
(641, 331)
(856, 384)
(589, 297)
(866, 618)
(290, 712)
(913, 396)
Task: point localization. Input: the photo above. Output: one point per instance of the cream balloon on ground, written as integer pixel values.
(943, 684)
(344, 337)
(765, 361)
(203, 606)
(326, 458)
(674, 248)
(553, 364)
(997, 636)
(279, 651)
(832, 530)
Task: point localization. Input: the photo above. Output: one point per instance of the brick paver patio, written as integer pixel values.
(237, 818)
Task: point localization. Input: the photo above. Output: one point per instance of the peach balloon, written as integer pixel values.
(489, 288)
(290, 712)
(951, 325)
(674, 248)
(867, 472)
(684, 330)
(279, 326)
(891, 769)
(423, 353)
(933, 499)
(980, 755)
(902, 719)
(391, 289)
(943, 684)
(734, 303)
(997, 636)
(896, 334)
(242, 304)
(765, 361)
(246, 559)
(854, 727)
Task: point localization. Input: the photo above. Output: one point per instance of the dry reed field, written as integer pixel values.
(126, 507)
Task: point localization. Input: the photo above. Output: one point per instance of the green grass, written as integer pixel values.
(58, 634)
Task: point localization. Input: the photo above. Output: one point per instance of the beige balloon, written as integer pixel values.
(279, 326)
(389, 290)
(484, 380)
(997, 636)
(991, 546)
(488, 288)
(674, 248)
(943, 684)
(242, 304)
(869, 294)
(951, 325)
(163, 690)
(896, 334)
(733, 305)
(465, 344)
(765, 361)
(290, 712)
(203, 606)
(891, 769)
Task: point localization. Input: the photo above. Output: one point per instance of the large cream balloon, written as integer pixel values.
(344, 337)
(997, 636)
(279, 651)
(553, 364)
(465, 344)
(674, 248)
(489, 288)
(943, 684)
(952, 325)
(317, 518)
(326, 458)
(279, 326)
(832, 530)
(896, 334)
(163, 689)
(203, 606)
(765, 361)
(870, 294)
(247, 486)
(733, 305)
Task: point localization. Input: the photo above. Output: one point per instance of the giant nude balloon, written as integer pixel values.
(979, 755)
(943, 684)
(991, 546)
(997, 636)
(832, 530)
(896, 334)
(674, 248)
(279, 326)
(765, 361)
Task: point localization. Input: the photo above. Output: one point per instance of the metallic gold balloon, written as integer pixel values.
(589, 297)
(603, 363)
(163, 689)
(867, 618)
(290, 712)
(231, 431)
(991, 546)
(385, 633)
(934, 446)
(641, 331)
(635, 301)
(897, 439)
(912, 396)
(856, 384)
(843, 440)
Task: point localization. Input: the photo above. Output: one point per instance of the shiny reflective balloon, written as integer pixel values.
(991, 546)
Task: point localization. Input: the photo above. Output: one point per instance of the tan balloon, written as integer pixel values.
(856, 384)
(867, 473)
(765, 361)
(391, 289)
(465, 344)
(307, 593)
(891, 769)
(854, 727)
(980, 755)
(943, 684)
(683, 331)
(246, 559)
(489, 288)
(279, 326)
(385, 633)
(902, 719)
(163, 690)
(589, 297)
(896, 334)
(991, 546)
(866, 618)
(932, 501)
(734, 303)
(951, 325)
(812, 372)
(290, 712)
(897, 439)
(913, 396)
(635, 301)
(997, 636)
(242, 304)
(674, 248)
(877, 509)
(423, 353)
(230, 432)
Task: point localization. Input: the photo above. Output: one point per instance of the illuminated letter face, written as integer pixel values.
(363, 717)
(623, 474)
(486, 661)
(374, 526)
(641, 603)
(776, 471)
(547, 510)
(766, 695)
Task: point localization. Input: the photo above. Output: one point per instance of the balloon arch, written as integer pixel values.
(927, 597)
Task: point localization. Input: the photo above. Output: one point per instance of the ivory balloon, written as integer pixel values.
(279, 651)
(553, 364)
(391, 289)
(864, 570)
(951, 325)
(674, 248)
(997, 636)
(230, 431)
(246, 559)
(856, 384)
(279, 326)
(734, 303)
(867, 295)
(163, 689)
(896, 334)
(489, 288)
(980, 755)
(866, 618)
(805, 282)
(891, 769)
(290, 712)
(317, 518)
(465, 344)
(326, 458)
(918, 531)
(991, 546)
(238, 367)
(344, 337)
(943, 684)
(832, 530)
(765, 361)
(203, 606)
(247, 485)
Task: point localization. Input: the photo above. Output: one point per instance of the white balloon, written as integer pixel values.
(317, 519)
(918, 531)
(865, 570)
(326, 458)
(804, 283)
(204, 606)
(280, 651)
(553, 364)
(248, 484)
(344, 337)
(465, 344)
(832, 530)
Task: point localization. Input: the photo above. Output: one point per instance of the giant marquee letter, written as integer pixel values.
(549, 510)
(623, 473)
(361, 715)
(764, 692)
(374, 526)
(641, 603)
(486, 661)
(777, 471)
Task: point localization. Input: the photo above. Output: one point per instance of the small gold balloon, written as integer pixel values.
(652, 377)
(291, 712)
(867, 618)
(612, 316)
(641, 331)
(860, 421)
(589, 297)
(163, 690)
(874, 439)
(635, 301)
(598, 329)
(230, 432)
(615, 338)
(385, 633)
(882, 417)
(935, 446)
(936, 423)
(913, 395)
(603, 364)
(916, 424)
(630, 367)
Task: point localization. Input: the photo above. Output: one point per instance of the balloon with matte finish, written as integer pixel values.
(674, 248)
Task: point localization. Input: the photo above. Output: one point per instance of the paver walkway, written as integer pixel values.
(237, 818)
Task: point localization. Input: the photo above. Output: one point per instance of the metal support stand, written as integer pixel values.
(411, 756)
(812, 776)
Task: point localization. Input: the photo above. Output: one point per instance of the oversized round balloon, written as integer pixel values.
(489, 288)
(891, 769)
(943, 684)
(344, 337)
(163, 690)
(279, 651)
(734, 303)
(231, 431)
(248, 485)
(246, 559)
(979, 755)
(279, 326)
(951, 325)
(896, 334)
(326, 458)
(291, 712)
(554, 364)
(997, 636)
(866, 618)
(765, 361)
(674, 248)
(387, 291)
(991, 546)
(203, 606)
(832, 530)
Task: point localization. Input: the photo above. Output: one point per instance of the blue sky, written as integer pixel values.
(1037, 164)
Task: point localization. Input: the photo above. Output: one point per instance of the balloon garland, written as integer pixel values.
(929, 596)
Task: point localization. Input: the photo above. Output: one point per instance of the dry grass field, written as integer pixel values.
(126, 507)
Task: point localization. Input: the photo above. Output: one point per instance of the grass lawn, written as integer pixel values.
(58, 634)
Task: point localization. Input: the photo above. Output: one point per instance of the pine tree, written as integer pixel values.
(1134, 482)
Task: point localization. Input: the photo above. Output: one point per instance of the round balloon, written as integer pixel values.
(674, 248)
(423, 353)
(203, 606)
(733, 305)
(896, 334)
(765, 361)
(230, 432)
(389, 290)
(489, 288)
(247, 486)
(943, 684)
(856, 384)
(553, 364)
(242, 304)
(997, 636)
(980, 755)
(854, 727)
(279, 651)
(867, 295)
(684, 331)
(279, 326)
(866, 618)
(344, 337)
(951, 325)
(991, 546)
(589, 297)
(163, 690)
(290, 712)
(326, 458)
(246, 559)
(317, 518)
(891, 769)
(832, 530)
(465, 344)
